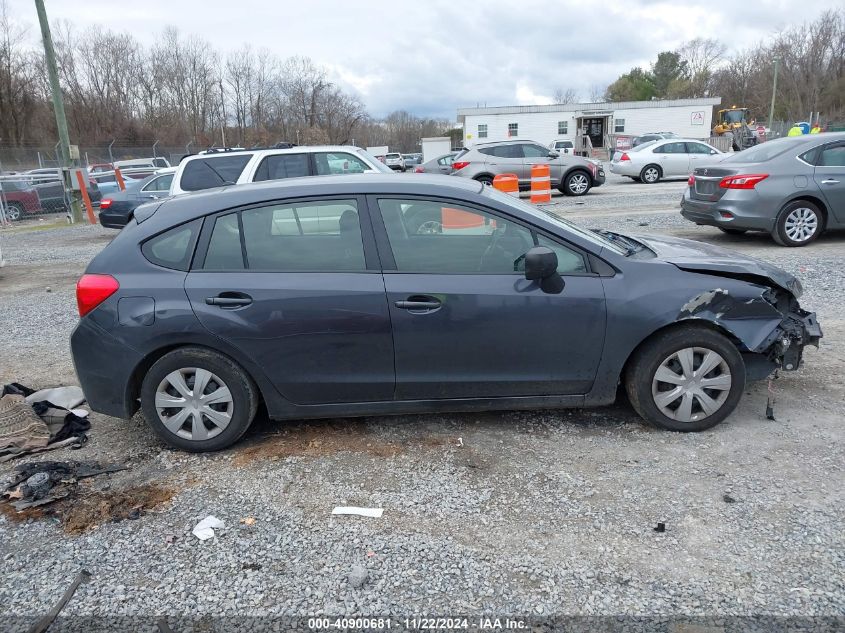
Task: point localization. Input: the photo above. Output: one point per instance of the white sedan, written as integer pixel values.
(667, 158)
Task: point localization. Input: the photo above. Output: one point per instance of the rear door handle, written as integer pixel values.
(229, 300)
(418, 302)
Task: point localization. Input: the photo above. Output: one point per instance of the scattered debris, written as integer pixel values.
(728, 499)
(204, 530)
(364, 512)
(249, 520)
(170, 539)
(98, 508)
(661, 527)
(44, 623)
(39, 483)
(358, 576)
(770, 400)
(642, 224)
(461, 442)
(251, 566)
(36, 421)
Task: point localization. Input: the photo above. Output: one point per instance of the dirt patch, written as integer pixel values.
(96, 508)
(19, 517)
(329, 439)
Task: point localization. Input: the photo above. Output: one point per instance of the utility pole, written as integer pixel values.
(774, 91)
(58, 107)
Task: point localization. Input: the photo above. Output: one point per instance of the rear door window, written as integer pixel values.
(698, 148)
(534, 151)
(671, 148)
(832, 156)
(280, 166)
(173, 248)
(213, 171)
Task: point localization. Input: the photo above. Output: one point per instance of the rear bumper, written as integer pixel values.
(743, 213)
(104, 367)
(114, 219)
(624, 169)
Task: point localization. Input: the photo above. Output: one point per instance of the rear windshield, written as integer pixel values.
(763, 152)
(642, 146)
(393, 155)
(205, 173)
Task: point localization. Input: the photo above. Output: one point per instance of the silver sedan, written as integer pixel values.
(667, 158)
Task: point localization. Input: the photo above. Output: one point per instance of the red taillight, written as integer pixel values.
(459, 165)
(742, 181)
(92, 290)
(419, 170)
(105, 203)
(691, 180)
(624, 157)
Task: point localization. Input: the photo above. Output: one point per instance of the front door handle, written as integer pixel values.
(830, 181)
(418, 302)
(229, 300)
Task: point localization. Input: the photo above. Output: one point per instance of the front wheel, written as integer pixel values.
(576, 184)
(686, 379)
(198, 400)
(798, 224)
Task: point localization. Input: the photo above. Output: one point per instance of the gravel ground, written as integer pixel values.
(512, 513)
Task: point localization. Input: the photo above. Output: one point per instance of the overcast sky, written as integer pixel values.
(431, 56)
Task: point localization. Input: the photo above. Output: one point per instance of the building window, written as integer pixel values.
(563, 127)
(513, 129)
(619, 126)
(482, 130)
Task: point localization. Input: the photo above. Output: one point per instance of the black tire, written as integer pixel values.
(799, 210)
(651, 174)
(729, 231)
(244, 397)
(14, 211)
(485, 180)
(640, 376)
(576, 183)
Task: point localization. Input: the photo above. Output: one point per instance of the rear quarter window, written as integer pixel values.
(173, 248)
(209, 172)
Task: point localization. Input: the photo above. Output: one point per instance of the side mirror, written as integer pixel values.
(553, 154)
(713, 151)
(541, 266)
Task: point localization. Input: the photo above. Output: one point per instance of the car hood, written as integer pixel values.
(707, 258)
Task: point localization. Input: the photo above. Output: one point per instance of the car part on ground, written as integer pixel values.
(203, 304)
(792, 188)
(572, 175)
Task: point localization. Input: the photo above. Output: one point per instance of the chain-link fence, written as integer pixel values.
(18, 159)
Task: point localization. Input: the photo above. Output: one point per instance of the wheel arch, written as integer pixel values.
(647, 165)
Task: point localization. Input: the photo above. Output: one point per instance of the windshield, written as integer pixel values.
(566, 225)
(375, 163)
(734, 116)
(763, 152)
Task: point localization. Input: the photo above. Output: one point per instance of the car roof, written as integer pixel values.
(490, 143)
(188, 206)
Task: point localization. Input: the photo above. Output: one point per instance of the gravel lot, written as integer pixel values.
(523, 514)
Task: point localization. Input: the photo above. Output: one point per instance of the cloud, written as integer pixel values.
(434, 56)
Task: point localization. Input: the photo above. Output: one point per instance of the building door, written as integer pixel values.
(595, 130)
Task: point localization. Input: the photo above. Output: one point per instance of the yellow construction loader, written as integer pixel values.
(734, 121)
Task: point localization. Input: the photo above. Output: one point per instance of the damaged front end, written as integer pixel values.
(772, 328)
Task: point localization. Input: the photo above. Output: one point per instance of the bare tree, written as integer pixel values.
(565, 97)
(701, 57)
(597, 93)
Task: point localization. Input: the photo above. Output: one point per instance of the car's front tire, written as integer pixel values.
(799, 223)
(688, 378)
(650, 174)
(576, 183)
(198, 400)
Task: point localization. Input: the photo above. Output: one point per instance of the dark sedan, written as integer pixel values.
(326, 297)
(117, 207)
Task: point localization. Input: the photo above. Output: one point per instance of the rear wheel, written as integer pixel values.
(798, 224)
(485, 180)
(198, 400)
(576, 184)
(650, 174)
(14, 211)
(730, 231)
(686, 379)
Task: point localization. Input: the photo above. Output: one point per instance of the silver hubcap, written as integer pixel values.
(578, 183)
(801, 224)
(691, 384)
(13, 213)
(650, 175)
(194, 404)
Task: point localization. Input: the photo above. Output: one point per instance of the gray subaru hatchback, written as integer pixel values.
(380, 294)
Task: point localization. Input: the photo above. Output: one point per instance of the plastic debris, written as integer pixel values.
(204, 530)
(249, 520)
(661, 527)
(364, 512)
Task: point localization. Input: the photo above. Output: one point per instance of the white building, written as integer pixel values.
(546, 123)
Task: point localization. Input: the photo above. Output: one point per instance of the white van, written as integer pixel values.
(157, 163)
(563, 146)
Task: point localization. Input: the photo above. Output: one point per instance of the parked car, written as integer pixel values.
(320, 298)
(395, 161)
(657, 160)
(47, 183)
(204, 171)
(791, 187)
(156, 162)
(563, 146)
(410, 161)
(117, 207)
(572, 175)
(19, 199)
(439, 165)
(652, 136)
